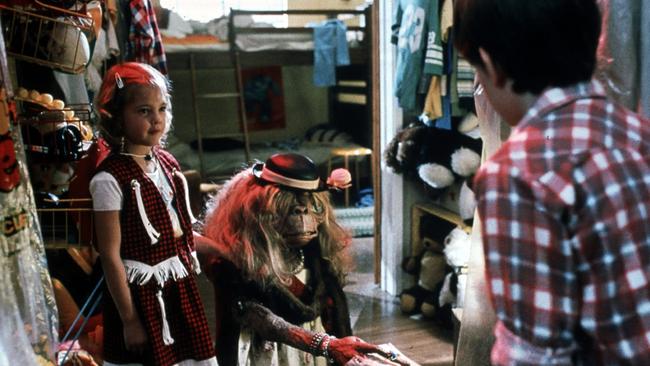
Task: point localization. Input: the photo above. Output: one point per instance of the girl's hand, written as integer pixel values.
(135, 336)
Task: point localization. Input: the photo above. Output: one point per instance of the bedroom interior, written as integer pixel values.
(344, 112)
(216, 133)
(244, 87)
(246, 90)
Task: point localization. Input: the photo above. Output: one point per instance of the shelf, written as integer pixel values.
(443, 213)
(427, 208)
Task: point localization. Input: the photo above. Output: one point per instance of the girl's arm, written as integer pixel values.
(109, 239)
(207, 247)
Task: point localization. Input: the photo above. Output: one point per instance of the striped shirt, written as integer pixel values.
(565, 208)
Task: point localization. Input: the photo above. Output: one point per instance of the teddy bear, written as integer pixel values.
(435, 156)
(429, 267)
(450, 291)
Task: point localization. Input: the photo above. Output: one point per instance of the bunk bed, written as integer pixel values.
(254, 45)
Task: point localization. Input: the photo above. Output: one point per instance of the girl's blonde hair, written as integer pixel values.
(244, 220)
(119, 87)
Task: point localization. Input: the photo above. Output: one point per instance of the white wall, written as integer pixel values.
(394, 208)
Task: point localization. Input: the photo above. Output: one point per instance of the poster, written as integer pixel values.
(264, 98)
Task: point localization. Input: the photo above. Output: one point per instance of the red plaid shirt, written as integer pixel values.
(565, 208)
(145, 43)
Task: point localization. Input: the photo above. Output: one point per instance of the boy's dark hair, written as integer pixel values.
(536, 43)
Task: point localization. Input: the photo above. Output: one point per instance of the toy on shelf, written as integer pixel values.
(457, 251)
(437, 157)
(52, 131)
(429, 268)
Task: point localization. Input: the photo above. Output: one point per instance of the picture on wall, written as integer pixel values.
(264, 98)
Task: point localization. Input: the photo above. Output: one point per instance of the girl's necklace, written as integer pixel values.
(146, 157)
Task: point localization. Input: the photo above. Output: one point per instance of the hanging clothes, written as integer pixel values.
(433, 65)
(413, 22)
(28, 315)
(145, 44)
(433, 56)
(330, 50)
(433, 101)
(106, 47)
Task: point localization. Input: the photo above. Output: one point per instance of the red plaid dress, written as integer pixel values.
(184, 313)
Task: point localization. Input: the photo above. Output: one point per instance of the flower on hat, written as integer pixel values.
(340, 179)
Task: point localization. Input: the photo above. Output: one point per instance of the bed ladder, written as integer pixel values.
(238, 95)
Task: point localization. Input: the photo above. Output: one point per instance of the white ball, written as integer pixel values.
(57, 104)
(22, 92)
(34, 95)
(45, 98)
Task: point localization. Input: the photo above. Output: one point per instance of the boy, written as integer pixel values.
(565, 202)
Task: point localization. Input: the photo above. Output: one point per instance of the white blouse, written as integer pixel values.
(107, 194)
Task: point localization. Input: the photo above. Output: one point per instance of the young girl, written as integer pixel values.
(153, 314)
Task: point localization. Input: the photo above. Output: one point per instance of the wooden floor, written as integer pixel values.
(379, 320)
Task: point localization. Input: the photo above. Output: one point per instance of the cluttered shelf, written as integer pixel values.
(444, 216)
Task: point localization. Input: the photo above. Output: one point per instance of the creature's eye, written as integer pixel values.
(317, 208)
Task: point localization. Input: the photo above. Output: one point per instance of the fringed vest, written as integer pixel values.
(149, 250)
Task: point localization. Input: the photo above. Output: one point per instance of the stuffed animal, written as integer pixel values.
(457, 250)
(450, 292)
(435, 156)
(430, 268)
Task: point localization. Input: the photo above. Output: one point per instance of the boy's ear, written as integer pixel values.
(493, 71)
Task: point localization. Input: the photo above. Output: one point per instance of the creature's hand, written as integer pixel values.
(345, 349)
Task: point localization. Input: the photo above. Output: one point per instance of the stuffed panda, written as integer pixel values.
(435, 156)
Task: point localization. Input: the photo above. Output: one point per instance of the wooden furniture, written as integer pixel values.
(346, 153)
(349, 101)
(419, 210)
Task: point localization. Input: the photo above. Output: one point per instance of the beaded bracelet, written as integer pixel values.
(316, 340)
(326, 348)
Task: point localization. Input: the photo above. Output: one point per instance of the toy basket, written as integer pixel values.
(66, 222)
(48, 36)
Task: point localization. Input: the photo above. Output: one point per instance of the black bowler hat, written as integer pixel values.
(290, 170)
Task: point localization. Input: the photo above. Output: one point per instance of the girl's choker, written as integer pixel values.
(146, 157)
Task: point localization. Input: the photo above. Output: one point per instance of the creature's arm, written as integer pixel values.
(107, 226)
(273, 328)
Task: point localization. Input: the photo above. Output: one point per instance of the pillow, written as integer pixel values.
(327, 134)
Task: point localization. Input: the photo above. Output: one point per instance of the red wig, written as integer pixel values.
(244, 219)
